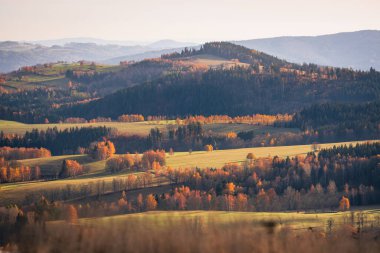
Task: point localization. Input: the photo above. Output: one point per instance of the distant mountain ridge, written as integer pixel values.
(359, 50)
(14, 55)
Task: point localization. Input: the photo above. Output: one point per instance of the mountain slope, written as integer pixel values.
(275, 87)
(14, 55)
(359, 50)
(142, 56)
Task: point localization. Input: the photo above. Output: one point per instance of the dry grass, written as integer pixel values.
(15, 192)
(212, 61)
(140, 128)
(50, 166)
(290, 220)
(190, 234)
(219, 158)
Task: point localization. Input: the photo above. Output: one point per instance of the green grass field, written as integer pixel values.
(140, 128)
(50, 166)
(14, 192)
(53, 76)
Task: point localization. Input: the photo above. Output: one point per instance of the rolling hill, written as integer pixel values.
(358, 50)
(265, 85)
(14, 55)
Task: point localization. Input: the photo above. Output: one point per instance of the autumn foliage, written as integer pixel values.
(23, 153)
(70, 168)
(344, 204)
(130, 118)
(122, 162)
(256, 119)
(101, 150)
(151, 159)
(150, 202)
(208, 148)
(72, 215)
(231, 135)
(15, 172)
(251, 156)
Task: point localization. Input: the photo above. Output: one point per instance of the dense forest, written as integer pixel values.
(233, 92)
(79, 84)
(229, 51)
(340, 120)
(268, 85)
(57, 141)
(128, 75)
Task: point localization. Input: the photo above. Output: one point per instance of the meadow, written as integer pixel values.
(16, 192)
(210, 231)
(211, 61)
(53, 76)
(50, 166)
(218, 158)
(292, 220)
(140, 128)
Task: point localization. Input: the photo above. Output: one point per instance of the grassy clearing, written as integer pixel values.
(218, 158)
(162, 233)
(50, 166)
(53, 76)
(206, 232)
(14, 192)
(213, 61)
(140, 128)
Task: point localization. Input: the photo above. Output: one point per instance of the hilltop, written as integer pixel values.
(265, 84)
(358, 50)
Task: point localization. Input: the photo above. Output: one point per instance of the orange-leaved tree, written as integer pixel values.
(344, 204)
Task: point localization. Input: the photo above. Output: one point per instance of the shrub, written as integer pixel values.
(151, 156)
(101, 150)
(251, 156)
(70, 168)
(209, 148)
(124, 162)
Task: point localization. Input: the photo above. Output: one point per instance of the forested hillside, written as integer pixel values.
(237, 91)
(229, 51)
(244, 83)
(340, 120)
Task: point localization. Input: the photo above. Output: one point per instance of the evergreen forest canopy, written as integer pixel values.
(233, 92)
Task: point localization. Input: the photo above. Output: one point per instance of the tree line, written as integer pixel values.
(340, 120)
(9, 153)
(11, 172)
(59, 142)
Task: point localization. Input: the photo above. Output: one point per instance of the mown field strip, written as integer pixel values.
(219, 158)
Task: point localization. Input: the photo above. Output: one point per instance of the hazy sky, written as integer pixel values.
(184, 20)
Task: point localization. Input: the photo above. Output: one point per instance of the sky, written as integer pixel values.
(190, 20)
